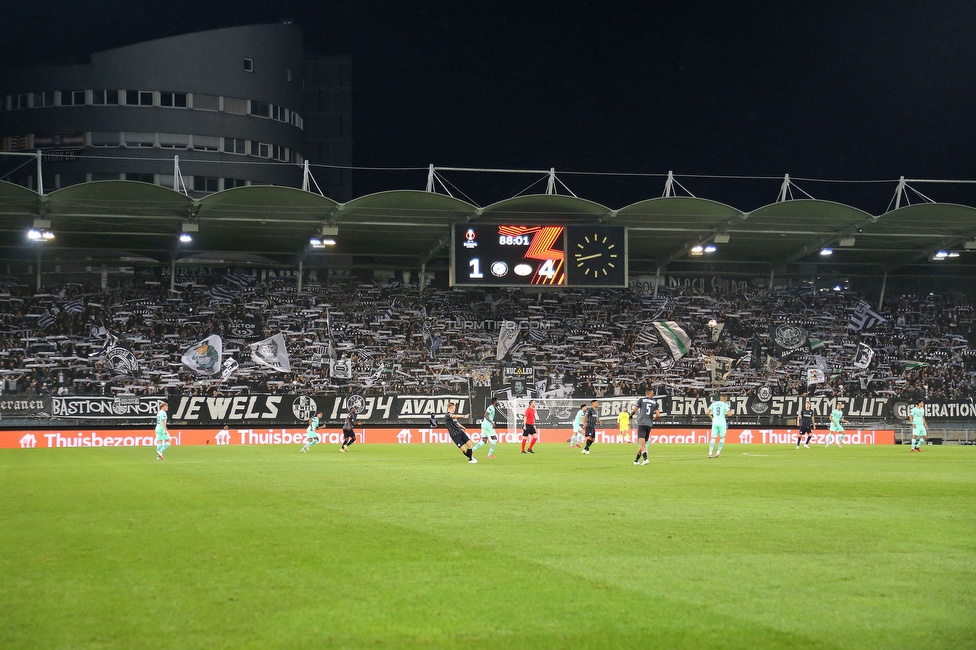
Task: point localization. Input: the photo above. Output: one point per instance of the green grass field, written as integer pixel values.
(409, 546)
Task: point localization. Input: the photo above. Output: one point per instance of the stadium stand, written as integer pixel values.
(348, 337)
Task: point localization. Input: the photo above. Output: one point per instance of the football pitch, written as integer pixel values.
(410, 546)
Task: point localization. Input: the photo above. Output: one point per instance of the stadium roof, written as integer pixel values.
(106, 220)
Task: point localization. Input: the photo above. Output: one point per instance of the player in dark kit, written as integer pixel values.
(348, 429)
(647, 411)
(590, 419)
(806, 424)
(458, 435)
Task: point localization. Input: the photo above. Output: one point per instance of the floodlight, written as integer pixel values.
(826, 251)
(710, 249)
(33, 234)
(186, 237)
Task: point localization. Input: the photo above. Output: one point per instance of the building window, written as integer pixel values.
(78, 97)
(23, 101)
(173, 140)
(134, 139)
(234, 145)
(260, 109)
(234, 182)
(248, 65)
(175, 100)
(264, 150)
(207, 184)
(235, 106)
(141, 178)
(131, 97)
(145, 98)
(206, 143)
(107, 97)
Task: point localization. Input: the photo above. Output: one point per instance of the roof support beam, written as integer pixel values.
(945, 244)
(826, 240)
(438, 246)
(719, 228)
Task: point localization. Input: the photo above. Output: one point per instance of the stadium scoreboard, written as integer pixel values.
(550, 255)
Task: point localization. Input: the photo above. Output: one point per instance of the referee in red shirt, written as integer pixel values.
(528, 430)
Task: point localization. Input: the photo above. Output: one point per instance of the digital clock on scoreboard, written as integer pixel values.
(557, 256)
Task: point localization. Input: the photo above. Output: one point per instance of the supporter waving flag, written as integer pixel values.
(204, 356)
(864, 318)
(507, 334)
(271, 352)
(863, 356)
(676, 337)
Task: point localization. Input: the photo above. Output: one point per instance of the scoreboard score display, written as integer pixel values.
(557, 256)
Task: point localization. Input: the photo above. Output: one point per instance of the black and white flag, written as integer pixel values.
(647, 336)
(815, 376)
(788, 339)
(119, 357)
(229, 368)
(271, 352)
(864, 318)
(74, 307)
(717, 331)
(46, 320)
(863, 356)
(721, 368)
(222, 294)
(507, 334)
(239, 280)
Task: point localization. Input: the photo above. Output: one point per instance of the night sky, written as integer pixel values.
(832, 90)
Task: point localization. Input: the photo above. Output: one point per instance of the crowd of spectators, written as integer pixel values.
(394, 338)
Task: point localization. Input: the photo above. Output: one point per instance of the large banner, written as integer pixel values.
(63, 438)
(264, 410)
(106, 408)
(936, 410)
(764, 403)
(26, 406)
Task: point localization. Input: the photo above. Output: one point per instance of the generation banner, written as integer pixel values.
(936, 410)
(145, 437)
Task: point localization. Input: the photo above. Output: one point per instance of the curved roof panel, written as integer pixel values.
(15, 199)
(118, 199)
(544, 207)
